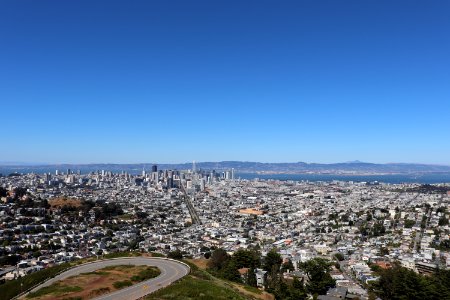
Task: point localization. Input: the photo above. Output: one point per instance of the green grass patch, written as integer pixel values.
(197, 272)
(147, 273)
(252, 289)
(55, 289)
(122, 284)
(190, 288)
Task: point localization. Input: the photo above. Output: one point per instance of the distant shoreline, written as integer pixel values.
(391, 178)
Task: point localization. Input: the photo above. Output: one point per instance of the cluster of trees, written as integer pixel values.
(9, 260)
(226, 266)
(427, 189)
(3, 192)
(440, 244)
(443, 221)
(317, 272)
(423, 223)
(319, 278)
(409, 223)
(399, 283)
(108, 210)
(377, 229)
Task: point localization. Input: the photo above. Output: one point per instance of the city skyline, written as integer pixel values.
(326, 82)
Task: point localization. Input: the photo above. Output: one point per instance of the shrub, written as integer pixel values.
(122, 284)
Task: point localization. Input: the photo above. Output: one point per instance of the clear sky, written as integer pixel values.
(271, 81)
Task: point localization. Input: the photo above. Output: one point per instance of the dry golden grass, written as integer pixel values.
(61, 201)
(201, 263)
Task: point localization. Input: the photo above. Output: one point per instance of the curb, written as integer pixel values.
(92, 262)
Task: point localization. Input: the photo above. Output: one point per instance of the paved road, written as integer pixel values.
(170, 272)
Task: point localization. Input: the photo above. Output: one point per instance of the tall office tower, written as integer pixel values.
(227, 175)
(202, 184)
(154, 168)
(232, 173)
(193, 167)
(143, 172)
(56, 172)
(103, 172)
(188, 184)
(170, 182)
(68, 171)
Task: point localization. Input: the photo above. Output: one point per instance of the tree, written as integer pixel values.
(3, 192)
(401, 283)
(339, 256)
(297, 290)
(272, 259)
(441, 209)
(141, 215)
(274, 280)
(287, 266)
(251, 278)
(230, 271)
(218, 259)
(409, 223)
(443, 221)
(319, 278)
(246, 258)
(176, 254)
(384, 251)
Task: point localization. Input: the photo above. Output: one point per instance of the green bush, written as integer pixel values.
(122, 284)
(148, 273)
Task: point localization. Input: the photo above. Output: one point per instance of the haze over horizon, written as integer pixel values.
(11, 163)
(314, 81)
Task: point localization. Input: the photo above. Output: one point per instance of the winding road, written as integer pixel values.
(171, 271)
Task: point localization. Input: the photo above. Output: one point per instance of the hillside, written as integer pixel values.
(199, 284)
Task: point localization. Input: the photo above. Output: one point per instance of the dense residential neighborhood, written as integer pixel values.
(48, 219)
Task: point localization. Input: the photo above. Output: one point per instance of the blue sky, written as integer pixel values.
(271, 81)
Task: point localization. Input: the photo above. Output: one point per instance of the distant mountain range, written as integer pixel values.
(355, 167)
